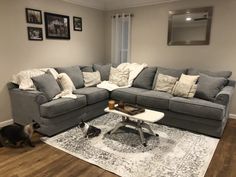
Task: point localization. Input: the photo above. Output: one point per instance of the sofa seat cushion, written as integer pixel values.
(93, 94)
(61, 106)
(128, 95)
(154, 99)
(197, 107)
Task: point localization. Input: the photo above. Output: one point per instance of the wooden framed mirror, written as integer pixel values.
(190, 26)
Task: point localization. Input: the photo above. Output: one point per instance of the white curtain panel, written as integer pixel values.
(121, 36)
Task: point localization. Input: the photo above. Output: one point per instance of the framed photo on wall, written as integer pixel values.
(33, 16)
(57, 26)
(35, 34)
(77, 21)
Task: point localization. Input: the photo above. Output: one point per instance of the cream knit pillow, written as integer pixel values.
(91, 78)
(188, 79)
(165, 83)
(184, 90)
(65, 82)
(119, 77)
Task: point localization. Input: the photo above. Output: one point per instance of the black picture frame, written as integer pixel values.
(35, 33)
(33, 16)
(77, 22)
(57, 26)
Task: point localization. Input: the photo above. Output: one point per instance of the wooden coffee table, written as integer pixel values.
(137, 121)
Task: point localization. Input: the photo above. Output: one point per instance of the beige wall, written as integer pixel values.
(149, 38)
(17, 53)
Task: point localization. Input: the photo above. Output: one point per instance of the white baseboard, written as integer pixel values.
(232, 116)
(5, 123)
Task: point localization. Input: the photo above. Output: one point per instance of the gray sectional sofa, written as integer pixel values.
(196, 114)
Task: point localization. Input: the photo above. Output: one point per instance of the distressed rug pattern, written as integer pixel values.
(175, 153)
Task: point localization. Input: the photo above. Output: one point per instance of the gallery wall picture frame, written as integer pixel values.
(57, 26)
(35, 34)
(33, 16)
(77, 21)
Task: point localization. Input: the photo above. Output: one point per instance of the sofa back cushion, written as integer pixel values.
(170, 72)
(86, 68)
(225, 74)
(104, 71)
(74, 73)
(145, 78)
(208, 86)
(47, 84)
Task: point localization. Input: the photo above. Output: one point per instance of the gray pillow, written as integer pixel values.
(208, 87)
(225, 74)
(170, 72)
(47, 84)
(86, 68)
(74, 73)
(104, 71)
(145, 78)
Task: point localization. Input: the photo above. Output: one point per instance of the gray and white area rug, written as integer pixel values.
(175, 153)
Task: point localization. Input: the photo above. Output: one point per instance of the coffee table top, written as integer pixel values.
(147, 116)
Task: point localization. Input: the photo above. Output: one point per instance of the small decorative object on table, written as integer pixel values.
(111, 104)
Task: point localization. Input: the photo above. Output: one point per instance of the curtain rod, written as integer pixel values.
(126, 15)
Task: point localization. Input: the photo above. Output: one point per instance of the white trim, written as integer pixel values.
(105, 6)
(232, 116)
(7, 122)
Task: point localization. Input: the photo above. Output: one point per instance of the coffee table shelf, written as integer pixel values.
(137, 121)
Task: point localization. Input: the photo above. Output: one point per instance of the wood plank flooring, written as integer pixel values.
(46, 161)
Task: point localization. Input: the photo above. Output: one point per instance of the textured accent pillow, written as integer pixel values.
(47, 84)
(165, 83)
(209, 87)
(91, 78)
(170, 72)
(186, 90)
(104, 71)
(225, 74)
(145, 78)
(23, 78)
(188, 79)
(65, 82)
(119, 77)
(75, 74)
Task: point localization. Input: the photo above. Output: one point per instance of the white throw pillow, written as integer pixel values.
(184, 90)
(165, 83)
(188, 79)
(23, 78)
(91, 78)
(65, 82)
(119, 77)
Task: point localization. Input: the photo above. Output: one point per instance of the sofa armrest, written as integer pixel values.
(225, 95)
(25, 105)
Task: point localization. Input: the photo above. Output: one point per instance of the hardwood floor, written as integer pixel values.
(46, 161)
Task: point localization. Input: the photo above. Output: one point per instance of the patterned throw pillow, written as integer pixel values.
(184, 90)
(186, 86)
(65, 82)
(165, 83)
(91, 78)
(119, 77)
(188, 79)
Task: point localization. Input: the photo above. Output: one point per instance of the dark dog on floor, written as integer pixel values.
(89, 131)
(18, 135)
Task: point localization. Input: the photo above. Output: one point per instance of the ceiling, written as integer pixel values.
(116, 4)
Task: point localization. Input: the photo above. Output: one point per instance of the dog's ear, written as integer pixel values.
(35, 125)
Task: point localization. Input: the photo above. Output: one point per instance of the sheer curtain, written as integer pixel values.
(121, 36)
